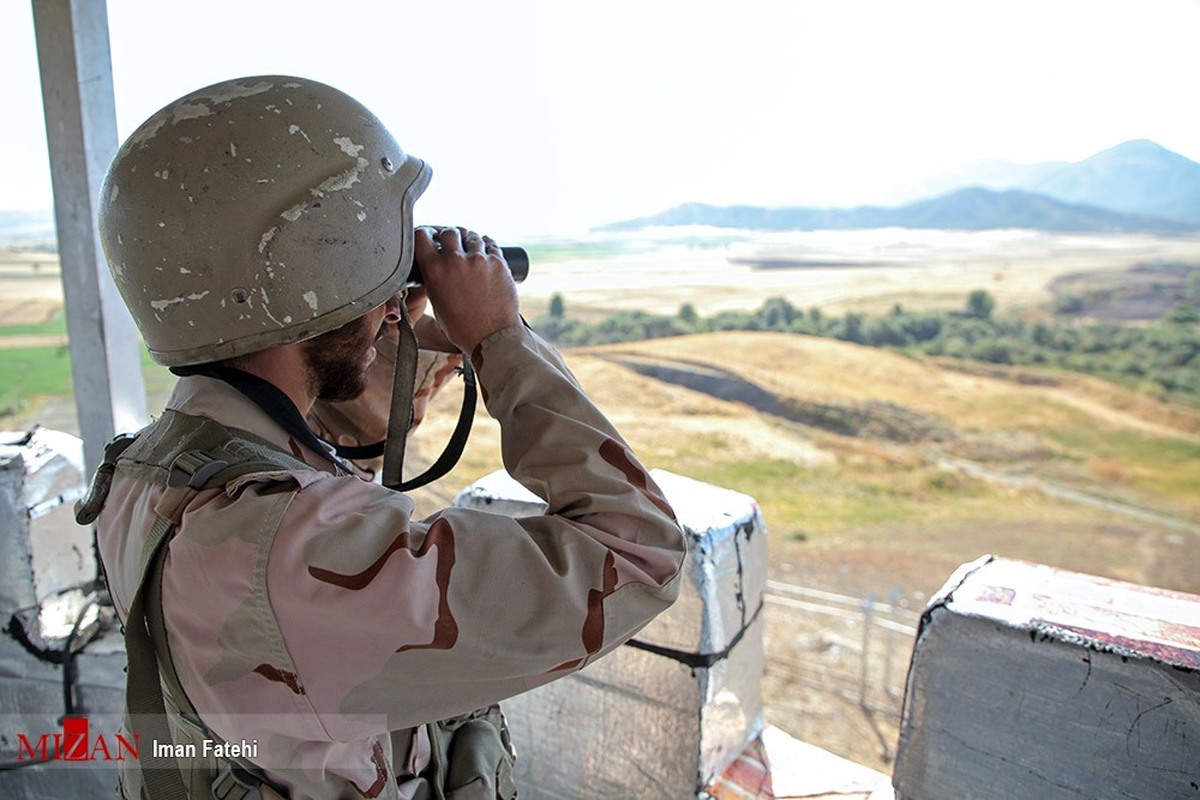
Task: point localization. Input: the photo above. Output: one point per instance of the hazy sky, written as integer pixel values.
(555, 116)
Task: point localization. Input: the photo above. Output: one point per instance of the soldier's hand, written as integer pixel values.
(468, 283)
(430, 336)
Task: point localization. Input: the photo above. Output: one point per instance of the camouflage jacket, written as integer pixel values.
(309, 614)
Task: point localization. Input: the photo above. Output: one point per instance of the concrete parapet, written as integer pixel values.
(665, 714)
(1030, 681)
(57, 658)
(43, 553)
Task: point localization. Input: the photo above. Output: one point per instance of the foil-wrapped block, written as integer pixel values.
(43, 552)
(1032, 681)
(665, 714)
(50, 606)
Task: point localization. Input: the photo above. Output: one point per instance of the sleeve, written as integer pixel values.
(407, 621)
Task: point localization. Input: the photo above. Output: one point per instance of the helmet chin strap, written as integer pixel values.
(401, 415)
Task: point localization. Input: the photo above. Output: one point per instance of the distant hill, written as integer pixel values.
(1137, 177)
(974, 208)
(1135, 186)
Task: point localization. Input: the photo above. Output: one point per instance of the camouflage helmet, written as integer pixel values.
(257, 212)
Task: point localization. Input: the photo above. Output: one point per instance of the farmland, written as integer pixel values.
(878, 471)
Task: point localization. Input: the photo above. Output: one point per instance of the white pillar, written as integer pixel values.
(81, 129)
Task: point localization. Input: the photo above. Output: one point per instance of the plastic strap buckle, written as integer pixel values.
(235, 783)
(193, 469)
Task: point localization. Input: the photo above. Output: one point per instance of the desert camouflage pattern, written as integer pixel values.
(187, 215)
(307, 611)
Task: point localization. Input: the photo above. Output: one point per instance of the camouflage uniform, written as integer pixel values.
(309, 612)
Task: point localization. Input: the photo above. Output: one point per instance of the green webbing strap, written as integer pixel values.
(458, 439)
(235, 780)
(146, 646)
(400, 416)
(161, 777)
(155, 456)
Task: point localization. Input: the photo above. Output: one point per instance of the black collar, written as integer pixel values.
(271, 399)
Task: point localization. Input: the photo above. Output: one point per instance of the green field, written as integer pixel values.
(30, 373)
(33, 372)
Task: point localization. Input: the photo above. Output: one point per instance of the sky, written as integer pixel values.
(549, 118)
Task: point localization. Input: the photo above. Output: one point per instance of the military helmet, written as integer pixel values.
(257, 212)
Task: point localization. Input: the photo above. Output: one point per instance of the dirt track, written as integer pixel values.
(34, 340)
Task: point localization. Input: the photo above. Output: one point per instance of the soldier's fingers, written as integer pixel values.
(425, 243)
(451, 240)
(473, 243)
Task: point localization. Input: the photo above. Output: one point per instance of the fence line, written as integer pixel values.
(831, 599)
(801, 605)
(882, 634)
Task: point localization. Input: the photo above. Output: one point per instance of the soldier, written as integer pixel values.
(313, 640)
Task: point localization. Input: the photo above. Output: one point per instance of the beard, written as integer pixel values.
(338, 360)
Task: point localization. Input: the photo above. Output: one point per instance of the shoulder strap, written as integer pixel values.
(151, 454)
(189, 472)
(206, 447)
(161, 777)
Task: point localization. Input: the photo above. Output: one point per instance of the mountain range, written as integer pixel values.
(1138, 186)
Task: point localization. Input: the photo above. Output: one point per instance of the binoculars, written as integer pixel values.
(518, 262)
(516, 258)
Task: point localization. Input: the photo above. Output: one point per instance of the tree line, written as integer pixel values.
(1162, 359)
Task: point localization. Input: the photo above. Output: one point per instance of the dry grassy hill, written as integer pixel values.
(879, 474)
(876, 471)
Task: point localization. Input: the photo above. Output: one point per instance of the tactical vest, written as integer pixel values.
(472, 756)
